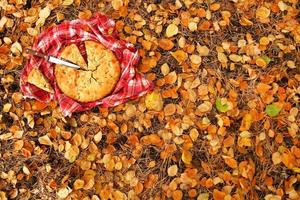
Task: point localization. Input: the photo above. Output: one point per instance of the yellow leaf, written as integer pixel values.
(172, 170)
(246, 122)
(45, 140)
(231, 162)
(276, 158)
(172, 30)
(117, 4)
(180, 55)
(195, 59)
(262, 12)
(78, 184)
(186, 157)
(154, 101)
(72, 153)
(222, 58)
(67, 2)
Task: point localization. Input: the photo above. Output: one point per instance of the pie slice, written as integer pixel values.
(36, 78)
(73, 54)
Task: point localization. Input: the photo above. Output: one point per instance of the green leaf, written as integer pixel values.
(266, 59)
(220, 106)
(272, 110)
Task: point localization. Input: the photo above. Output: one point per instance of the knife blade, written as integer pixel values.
(53, 59)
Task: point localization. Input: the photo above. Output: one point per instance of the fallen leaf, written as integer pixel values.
(180, 55)
(231, 162)
(276, 158)
(169, 109)
(195, 59)
(72, 153)
(63, 192)
(166, 44)
(172, 30)
(154, 101)
(45, 140)
(172, 170)
(67, 2)
(272, 110)
(246, 122)
(222, 107)
(186, 156)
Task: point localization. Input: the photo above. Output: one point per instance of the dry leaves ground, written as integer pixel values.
(222, 123)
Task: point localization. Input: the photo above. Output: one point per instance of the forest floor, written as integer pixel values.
(222, 121)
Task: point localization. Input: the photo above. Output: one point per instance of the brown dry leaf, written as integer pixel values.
(171, 30)
(180, 56)
(166, 44)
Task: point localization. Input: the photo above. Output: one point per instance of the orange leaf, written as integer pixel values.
(204, 26)
(166, 44)
(218, 195)
(246, 122)
(288, 159)
(177, 195)
(169, 109)
(186, 156)
(180, 55)
(231, 162)
(229, 141)
(201, 12)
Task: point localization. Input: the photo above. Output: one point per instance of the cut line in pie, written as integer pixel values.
(100, 78)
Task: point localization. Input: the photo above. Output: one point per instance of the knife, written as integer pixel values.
(53, 59)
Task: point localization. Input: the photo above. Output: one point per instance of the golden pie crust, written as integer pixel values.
(101, 77)
(36, 78)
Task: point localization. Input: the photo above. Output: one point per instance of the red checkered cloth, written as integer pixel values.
(131, 85)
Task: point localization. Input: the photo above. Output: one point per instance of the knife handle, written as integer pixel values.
(35, 53)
